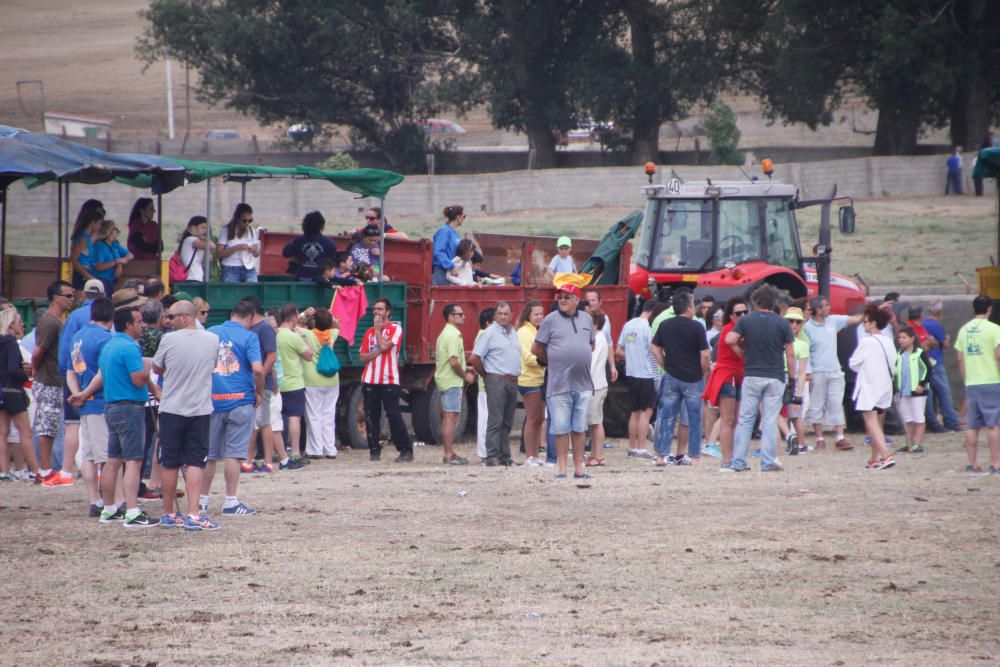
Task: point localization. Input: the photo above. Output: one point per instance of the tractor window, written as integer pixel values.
(782, 241)
(739, 231)
(681, 237)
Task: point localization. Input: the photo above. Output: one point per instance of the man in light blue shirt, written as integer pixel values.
(826, 396)
(496, 356)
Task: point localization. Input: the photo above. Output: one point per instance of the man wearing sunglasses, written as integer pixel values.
(565, 342)
(185, 359)
(47, 384)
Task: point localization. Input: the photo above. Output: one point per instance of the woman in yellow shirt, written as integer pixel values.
(529, 383)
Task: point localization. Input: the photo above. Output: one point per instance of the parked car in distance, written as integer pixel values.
(222, 134)
(440, 126)
(590, 132)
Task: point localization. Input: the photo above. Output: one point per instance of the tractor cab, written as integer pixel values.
(726, 238)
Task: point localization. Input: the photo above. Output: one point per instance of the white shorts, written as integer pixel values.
(94, 438)
(911, 409)
(269, 411)
(595, 412)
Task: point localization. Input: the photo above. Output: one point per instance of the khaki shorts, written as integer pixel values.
(94, 438)
(269, 411)
(595, 411)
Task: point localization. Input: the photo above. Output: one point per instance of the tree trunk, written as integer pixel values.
(541, 138)
(646, 115)
(970, 108)
(897, 129)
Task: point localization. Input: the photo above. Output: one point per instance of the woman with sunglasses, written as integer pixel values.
(144, 239)
(81, 255)
(201, 311)
(723, 387)
(239, 247)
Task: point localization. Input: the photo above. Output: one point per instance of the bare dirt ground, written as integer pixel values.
(354, 562)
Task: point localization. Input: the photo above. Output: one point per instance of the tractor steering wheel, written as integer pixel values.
(735, 248)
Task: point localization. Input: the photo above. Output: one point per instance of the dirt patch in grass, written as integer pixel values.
(824, 564)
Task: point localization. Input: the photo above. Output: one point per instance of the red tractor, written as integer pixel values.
(727, 238)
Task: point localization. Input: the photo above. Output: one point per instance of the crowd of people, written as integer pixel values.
(716, 377)
(139, 390)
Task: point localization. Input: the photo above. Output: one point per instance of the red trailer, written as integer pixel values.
(410, 261)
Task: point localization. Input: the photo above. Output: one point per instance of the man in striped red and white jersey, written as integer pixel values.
(380, 383)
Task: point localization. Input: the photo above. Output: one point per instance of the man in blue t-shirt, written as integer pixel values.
(84, 350)
(124, 376)
(237, 389)
(75, 321)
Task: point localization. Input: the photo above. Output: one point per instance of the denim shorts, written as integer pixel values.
(568, 412)
(293, 403)
(451, 399)
(126, 422)
(524, 391)
(238, 274)
(229, 433)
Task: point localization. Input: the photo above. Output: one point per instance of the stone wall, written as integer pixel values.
(289, 200)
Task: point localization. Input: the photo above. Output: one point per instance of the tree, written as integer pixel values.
(370, 65)
(652, 60)
(920, 63)
(526, 58)
(723, 135)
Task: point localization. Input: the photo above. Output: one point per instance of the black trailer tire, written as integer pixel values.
(353, 419)
(420, 415)
(434, 417)
(616, 413)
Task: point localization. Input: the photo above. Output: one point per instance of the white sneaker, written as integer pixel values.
(640, 454)
(531, 462)
(22, 475)
(548, 464)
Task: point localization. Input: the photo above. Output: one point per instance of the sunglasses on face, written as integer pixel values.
(738, 313)
(370, 217)
(203, 312)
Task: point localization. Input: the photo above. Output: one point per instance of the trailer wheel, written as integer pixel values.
(434, 417)
(354, 420)
(420, 415)
(616, 413)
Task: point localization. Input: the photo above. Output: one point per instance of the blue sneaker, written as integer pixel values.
(238, 510)
(608, 445)
(755, 453)
(201, 523)
(172, 521)
(889, 441)
(712, 449)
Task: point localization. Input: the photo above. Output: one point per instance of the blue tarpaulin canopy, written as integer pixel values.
(56, 159)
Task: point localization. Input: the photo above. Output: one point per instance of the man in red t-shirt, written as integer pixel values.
(380, 383)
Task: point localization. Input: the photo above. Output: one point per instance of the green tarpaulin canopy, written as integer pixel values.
(987, 164)
(365, 182)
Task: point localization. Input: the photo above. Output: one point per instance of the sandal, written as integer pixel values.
(594, 462)
(585, 475)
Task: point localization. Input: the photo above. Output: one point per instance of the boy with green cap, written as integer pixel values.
(562, 262)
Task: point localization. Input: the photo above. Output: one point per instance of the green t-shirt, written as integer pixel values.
(977, 342)
(800, 349)
(449, 344)
(311, 376)
(661, 318)
(290, 349)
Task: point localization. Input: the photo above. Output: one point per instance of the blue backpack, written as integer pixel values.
(328, 364)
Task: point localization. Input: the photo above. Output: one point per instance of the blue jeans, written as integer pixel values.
(439, 276)
(673, 394)
(766, 394)
(238, 274)
(941, 390)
